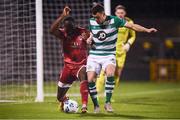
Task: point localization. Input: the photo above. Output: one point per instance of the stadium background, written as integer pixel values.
(136, 98)
(18, 39)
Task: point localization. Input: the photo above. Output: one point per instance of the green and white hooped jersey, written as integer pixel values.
(105, 35)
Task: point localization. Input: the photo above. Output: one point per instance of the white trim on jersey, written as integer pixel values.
(105, 47)
(102, 52)
(107, 30)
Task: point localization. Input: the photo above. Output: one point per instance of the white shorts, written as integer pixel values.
(96, 63)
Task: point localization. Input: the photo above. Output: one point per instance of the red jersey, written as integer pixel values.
(74, 47)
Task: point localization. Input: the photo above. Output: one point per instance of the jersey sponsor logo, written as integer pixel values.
(101, 35)
(75, 45)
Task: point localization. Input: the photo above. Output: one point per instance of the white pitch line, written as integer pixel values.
(151, 92)
(7, 101)
(124, 94)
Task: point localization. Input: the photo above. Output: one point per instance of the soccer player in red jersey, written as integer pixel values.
(74, 45)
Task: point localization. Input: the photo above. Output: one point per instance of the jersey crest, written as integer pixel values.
(101, 35)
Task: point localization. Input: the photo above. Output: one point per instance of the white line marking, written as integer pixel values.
(124, 94)
(7, 101)
(151, 92)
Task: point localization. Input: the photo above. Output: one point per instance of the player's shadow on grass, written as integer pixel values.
(112, 115)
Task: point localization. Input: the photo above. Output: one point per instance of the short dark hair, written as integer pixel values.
(120, 7)
(97, 8)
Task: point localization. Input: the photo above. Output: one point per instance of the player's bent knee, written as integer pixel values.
(110, 70)
(91, 76)
(110, 74)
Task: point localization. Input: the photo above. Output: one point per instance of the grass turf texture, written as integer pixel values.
(133, 100)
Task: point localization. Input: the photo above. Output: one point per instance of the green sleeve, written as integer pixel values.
(119, 22)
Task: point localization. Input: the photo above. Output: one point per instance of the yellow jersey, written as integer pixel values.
(125, 35)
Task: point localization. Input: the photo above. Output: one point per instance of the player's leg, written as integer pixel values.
(82, 76)
(117, 76)
(92, 89)
(120, 60)
(64, 84)
(92, 70)
(100, 81)
(109, 85)
(61, 93)
(109, 66)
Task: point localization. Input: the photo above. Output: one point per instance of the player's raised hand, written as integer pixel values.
(151, 30)
(66, 11)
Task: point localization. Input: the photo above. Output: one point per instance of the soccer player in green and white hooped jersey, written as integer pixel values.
(102, 55)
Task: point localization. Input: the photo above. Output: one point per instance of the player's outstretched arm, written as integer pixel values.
(55, 26)
(139, 28)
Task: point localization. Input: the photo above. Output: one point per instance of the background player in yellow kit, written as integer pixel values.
(126, 37)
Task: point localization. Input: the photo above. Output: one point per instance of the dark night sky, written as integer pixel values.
(162, 14)
(150, 8)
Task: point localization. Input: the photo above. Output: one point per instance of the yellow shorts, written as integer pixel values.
(120, 59)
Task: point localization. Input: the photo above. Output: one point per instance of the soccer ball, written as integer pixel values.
(70, 106)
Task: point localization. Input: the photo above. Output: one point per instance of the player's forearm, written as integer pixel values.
(139, 28)
(56, 23)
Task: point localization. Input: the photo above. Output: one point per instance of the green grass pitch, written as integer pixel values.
(133, 100)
